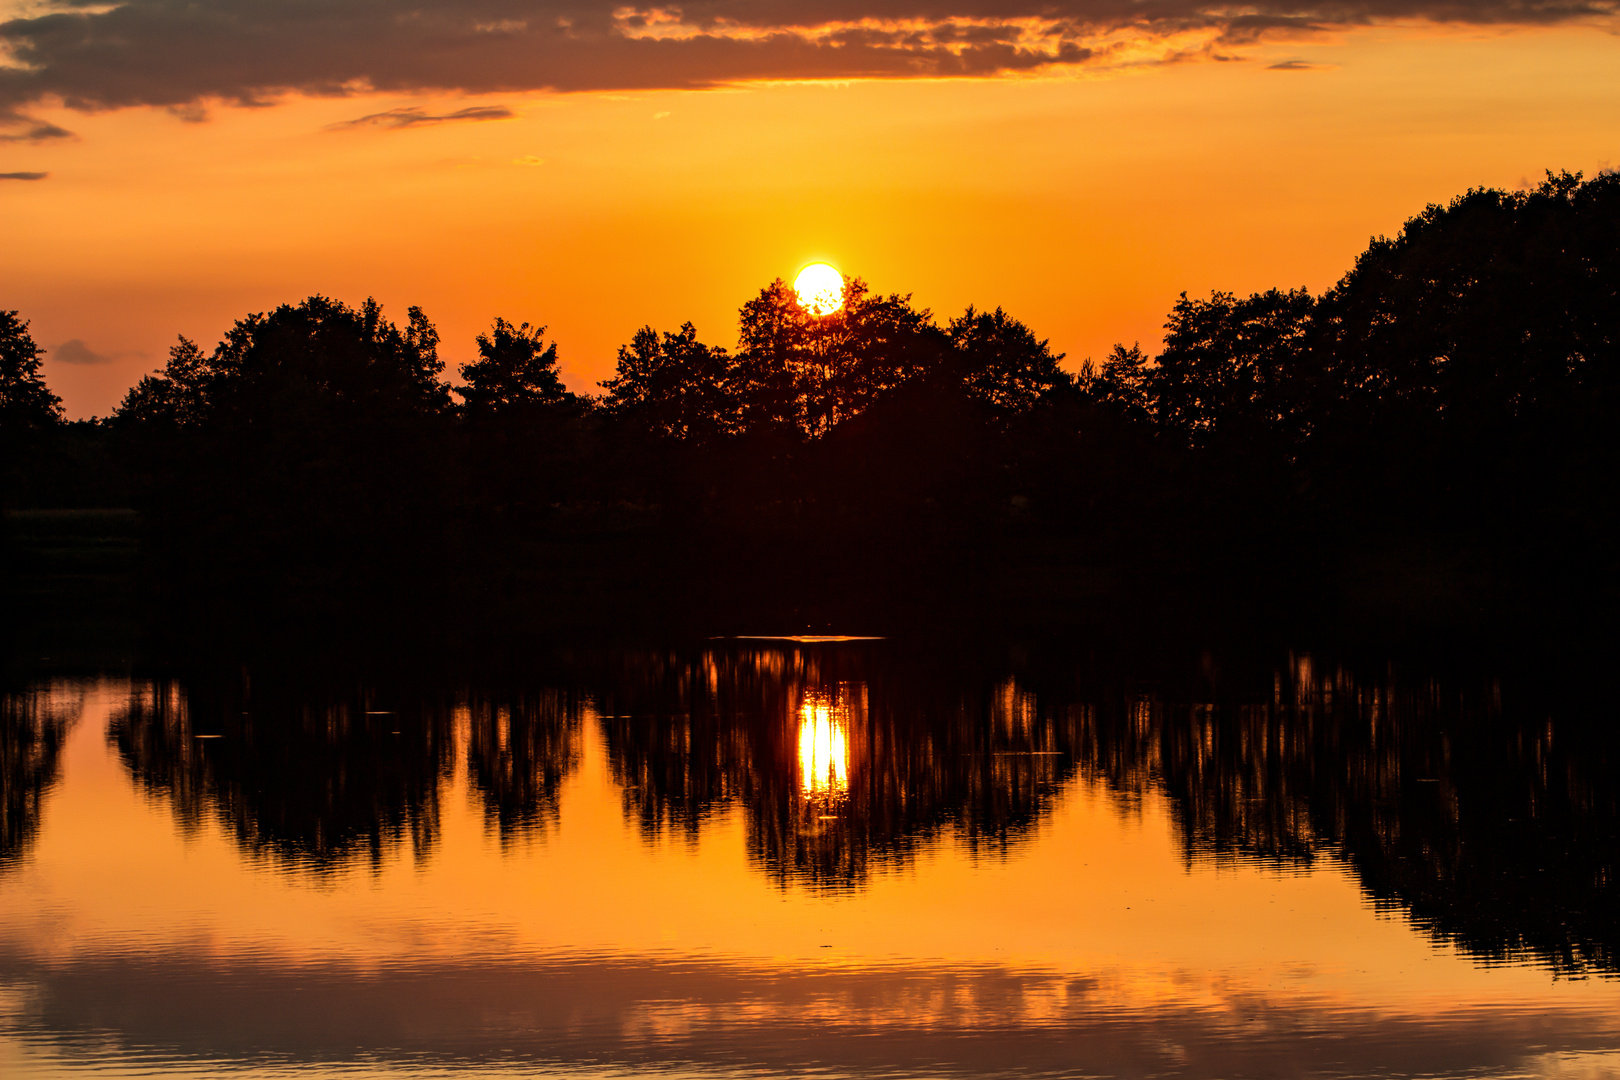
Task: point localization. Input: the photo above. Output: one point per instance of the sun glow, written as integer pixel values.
(823, 746)
(820, 288)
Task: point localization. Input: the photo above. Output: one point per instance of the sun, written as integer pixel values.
(820, 288)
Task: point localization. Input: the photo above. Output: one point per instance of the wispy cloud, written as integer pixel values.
(413, 117)
(1295, 65)
(23, 175)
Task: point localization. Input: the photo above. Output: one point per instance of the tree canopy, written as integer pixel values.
(320, 362)
(802, 374)
(516, 369)
(674, 386)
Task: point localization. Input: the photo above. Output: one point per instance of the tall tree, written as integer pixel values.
(30, 415)
(1496, 306)
(1468, 368)
(25, 401)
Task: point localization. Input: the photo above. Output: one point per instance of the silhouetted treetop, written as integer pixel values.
(1227, 362)
(25, 400)
(179, 396)
(1003, 364)
(802, 375)
(516, 368)
(1480, 317)
(1120, 384)
(321, 360)
(674, 386)
(805, 372)
(1496, 305)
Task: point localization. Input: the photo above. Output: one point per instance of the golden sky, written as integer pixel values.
(1078, 164)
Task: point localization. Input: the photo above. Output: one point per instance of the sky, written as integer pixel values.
(168, 167)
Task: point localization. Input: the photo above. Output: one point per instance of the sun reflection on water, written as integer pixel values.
(823, 745)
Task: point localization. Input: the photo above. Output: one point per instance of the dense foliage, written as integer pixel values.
(1444, 408)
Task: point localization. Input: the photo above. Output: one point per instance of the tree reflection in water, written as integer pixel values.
(305, 778)
(316, 778)
(842, 764)
(520, 748)
(33, 724)
(1496, 831)
(1494, 828)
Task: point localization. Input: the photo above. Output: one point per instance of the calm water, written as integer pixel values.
(774, 857)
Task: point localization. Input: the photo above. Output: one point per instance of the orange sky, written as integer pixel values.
(1080, 198)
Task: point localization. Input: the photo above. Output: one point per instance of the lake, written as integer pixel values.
(829, 857)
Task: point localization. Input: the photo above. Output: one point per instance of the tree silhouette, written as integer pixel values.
(519, 452)
(1226, 364)
(805, 373)
(516, 369)
(302, 459)
(1004, 365)
(178, 397)
(1454, 392)
(1475, 358)
(25, 401)
(29, 412)
(1120, 384)
(674, 386)
(320, 363)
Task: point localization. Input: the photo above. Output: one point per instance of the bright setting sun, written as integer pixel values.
(820, 288)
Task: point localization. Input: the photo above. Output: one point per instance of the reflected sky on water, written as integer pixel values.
(770, 858)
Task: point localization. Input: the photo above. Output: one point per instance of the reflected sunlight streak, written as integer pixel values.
(823, 746)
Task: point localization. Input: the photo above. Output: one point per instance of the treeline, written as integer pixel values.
(1434, 433)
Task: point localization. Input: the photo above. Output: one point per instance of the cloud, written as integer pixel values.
(75, 351)
(170, 54)
(413, 117)
(1295, 65)
(188, 1002)
(23, 175)
(16, 127)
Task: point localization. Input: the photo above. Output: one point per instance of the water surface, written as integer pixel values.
(771, 857)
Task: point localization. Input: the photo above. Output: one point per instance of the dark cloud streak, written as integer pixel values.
(413, 117)
(187, 1004)
(75, 351)
(177, 53)
(23, 175)
(32, 130)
